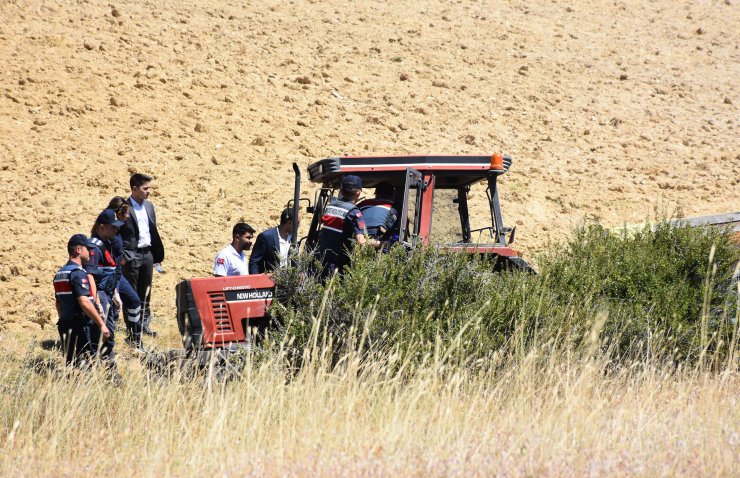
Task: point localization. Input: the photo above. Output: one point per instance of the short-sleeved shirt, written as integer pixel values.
(70, 283)
(102, 264)
(228, 263)
(341, 223)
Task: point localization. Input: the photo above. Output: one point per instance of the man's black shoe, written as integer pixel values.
(148, 331)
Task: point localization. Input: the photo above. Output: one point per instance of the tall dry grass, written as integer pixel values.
(451, 371)
(548, 413)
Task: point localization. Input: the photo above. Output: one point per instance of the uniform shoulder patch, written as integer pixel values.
(220, 260)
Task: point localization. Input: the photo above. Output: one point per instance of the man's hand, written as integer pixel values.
(89, 309)
(362, 240)
(117, 301)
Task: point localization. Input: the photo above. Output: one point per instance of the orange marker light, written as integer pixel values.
(497, 162)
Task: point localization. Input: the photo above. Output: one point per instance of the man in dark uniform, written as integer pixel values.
(381, 213)
(142, 244)
(127, 296)
(103, 267)
(342, 226)
(75, 303)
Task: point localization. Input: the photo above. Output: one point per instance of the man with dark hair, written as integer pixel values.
(231, 260)
(75, 303)
(381, 213)
(142, 245)
(342, 226)
(272, 246)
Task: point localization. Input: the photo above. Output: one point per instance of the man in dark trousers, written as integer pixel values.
(271, 249)
(76, 303)
(102, 267)
(142, 244)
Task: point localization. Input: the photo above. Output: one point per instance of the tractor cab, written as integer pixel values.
(432, 195)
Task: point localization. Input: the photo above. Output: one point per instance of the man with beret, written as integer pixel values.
(75, 303)
(342, 226)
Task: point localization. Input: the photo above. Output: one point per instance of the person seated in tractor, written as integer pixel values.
(381, 213)
(343, 225)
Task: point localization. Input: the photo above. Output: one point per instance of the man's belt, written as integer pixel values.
(143, 250)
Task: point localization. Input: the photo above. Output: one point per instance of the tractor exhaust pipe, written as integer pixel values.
(296, 206)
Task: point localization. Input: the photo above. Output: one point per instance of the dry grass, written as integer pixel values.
(549, 413)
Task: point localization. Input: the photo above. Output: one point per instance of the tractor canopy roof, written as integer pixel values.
(451, 171)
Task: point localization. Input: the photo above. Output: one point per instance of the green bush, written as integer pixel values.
(654, 293)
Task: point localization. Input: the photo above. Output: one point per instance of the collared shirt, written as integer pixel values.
(230, 263)
(142, 221)
(284, 248)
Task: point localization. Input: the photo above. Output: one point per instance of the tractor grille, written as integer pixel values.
(220, 313)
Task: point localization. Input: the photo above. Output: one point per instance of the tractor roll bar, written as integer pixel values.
(296, 206)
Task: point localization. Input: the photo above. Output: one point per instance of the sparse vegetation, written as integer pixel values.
(429, 365)
(663, 291)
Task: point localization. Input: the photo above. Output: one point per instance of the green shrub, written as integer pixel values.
(654, 293)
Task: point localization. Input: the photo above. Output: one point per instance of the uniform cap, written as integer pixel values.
(108, 216)
(351, 182)
(77, 240)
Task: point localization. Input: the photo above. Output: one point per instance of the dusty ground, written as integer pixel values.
(610, 109)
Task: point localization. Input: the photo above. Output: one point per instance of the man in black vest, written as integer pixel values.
(141, 243)
(342, 225)
(75, 303)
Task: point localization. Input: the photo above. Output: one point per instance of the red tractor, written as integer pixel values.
(432, 193)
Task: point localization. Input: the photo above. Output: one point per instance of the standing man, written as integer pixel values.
(272, 246)
(342, 225)
(102, 266)
(127, 297)
(75, 303)
(231, 260)
(142, 244)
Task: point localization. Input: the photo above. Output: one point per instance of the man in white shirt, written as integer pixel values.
(272, 246)
(232, 260)
(142, 248)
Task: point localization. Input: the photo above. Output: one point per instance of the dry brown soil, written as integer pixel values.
(611, 109)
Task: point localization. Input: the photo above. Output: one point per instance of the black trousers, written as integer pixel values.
(138, 272)
(76, 342)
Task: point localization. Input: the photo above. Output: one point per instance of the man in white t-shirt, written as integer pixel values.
(232, 260)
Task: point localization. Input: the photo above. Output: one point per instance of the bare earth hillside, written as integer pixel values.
(609, 109)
